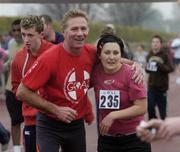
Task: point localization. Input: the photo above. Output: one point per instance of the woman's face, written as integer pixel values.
(110, 57)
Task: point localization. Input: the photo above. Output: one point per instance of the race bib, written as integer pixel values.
(152, 66)
(109, 99)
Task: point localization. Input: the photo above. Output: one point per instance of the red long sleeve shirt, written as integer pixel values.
(21, 63)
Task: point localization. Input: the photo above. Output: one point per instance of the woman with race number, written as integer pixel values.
(121, 103)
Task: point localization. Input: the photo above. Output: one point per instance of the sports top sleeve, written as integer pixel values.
(15, 74)
(136, 91)
(40, 72)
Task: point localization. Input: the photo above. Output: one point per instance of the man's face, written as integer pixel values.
(75, 33)
(31, 38)
(156, 45)
(46, 28)
(16, 30)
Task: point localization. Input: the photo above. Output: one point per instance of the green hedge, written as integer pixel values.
(129, 34)
(5, 24)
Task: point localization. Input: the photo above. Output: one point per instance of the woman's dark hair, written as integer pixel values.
(109, 38)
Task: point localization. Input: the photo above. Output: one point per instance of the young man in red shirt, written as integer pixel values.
(34, 46)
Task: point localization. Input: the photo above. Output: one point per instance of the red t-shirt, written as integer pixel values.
(63, 77)
(21, 63)
(115, 92)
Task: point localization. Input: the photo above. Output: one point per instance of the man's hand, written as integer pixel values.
(138, 75)
(65, 114)
(169, 128)
(144, 132)
(164, 129)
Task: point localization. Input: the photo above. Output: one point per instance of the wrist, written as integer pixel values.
(113, 115)
(53, 109)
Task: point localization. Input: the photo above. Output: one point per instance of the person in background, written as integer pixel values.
(13, 105)
(108, 29)
(140, 54)
(4, 137)
(158, 67)
(175, 45)
(121, 103)
(4, 40)
(49, 33)
(3, 59)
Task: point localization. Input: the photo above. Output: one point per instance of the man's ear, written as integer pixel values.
(42, 35)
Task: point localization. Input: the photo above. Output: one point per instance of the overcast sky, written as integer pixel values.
(165, 8)
(14, 9)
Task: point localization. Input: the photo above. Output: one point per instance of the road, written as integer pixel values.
(158, 146)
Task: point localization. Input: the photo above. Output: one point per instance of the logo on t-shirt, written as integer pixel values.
(76, 85)
(109, 82)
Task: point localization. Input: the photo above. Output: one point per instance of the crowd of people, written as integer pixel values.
(48, 74)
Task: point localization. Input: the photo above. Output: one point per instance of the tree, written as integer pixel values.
(56, 11)
(133, 14)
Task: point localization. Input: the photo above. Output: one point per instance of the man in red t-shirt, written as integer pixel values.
(63, 73)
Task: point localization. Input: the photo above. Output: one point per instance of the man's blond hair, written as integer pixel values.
(72, 14)
(32, 21)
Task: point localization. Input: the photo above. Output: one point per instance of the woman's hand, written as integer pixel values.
(106, 123)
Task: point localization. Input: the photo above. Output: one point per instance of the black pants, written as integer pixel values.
(14, 108)
(157, 98)
(53, 135)
(129, 143)
(29, 133)
(4, 135)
